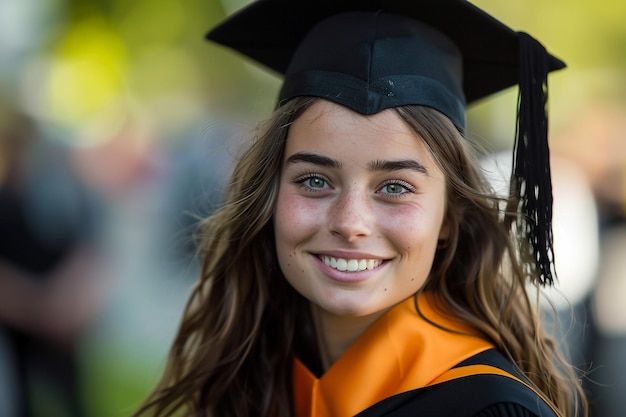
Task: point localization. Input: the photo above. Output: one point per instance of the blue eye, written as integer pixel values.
(313, 182)
(396, 188)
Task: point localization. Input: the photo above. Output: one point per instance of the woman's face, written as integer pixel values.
(360, 209)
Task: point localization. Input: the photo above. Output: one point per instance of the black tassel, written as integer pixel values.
(530, 178)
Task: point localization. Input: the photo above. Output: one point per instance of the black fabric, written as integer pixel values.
(505, 410)
(270, 32)
(494, 358)
(482, 395)
(372, 61)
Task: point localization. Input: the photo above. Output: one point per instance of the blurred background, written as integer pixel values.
(118, 127)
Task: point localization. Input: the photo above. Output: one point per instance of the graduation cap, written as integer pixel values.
(370, 55)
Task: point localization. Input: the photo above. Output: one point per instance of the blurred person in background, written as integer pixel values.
(595, 139)
(48, 255)
(609, 315)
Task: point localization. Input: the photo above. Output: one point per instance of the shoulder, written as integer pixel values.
(474, 395)
(506, 410)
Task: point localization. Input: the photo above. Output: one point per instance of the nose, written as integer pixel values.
(351, 215)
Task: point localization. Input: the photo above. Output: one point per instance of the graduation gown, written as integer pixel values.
(405, 366)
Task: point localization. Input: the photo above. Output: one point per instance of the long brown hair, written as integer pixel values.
(233, 351)
(479, 277)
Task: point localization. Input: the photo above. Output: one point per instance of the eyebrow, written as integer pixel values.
(398, 165)
(314, 159)
(378, 165)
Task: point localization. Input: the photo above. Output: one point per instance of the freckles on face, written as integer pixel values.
(359, 210)
(295, 220)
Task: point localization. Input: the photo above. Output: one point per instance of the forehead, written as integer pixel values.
(331, 128)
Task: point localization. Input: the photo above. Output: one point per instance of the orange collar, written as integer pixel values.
(399, 353)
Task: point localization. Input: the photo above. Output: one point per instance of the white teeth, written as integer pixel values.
(342, 264)
(362, 264)
(351, 265)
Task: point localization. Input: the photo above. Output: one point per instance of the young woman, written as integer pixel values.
(361, 264)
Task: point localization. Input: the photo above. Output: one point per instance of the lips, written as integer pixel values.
(350, 265)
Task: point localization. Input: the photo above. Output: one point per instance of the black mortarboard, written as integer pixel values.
(370, 55)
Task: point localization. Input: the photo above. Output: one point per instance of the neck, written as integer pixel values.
(335, 334)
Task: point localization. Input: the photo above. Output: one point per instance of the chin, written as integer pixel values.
(351, 308)
(344, 311)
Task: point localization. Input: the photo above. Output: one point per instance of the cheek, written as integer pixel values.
(295, 219)
(416, 230)
(294, 225)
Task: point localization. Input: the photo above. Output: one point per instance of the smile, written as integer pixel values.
(350, 265)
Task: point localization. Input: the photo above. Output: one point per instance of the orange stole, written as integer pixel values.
(399, 353)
